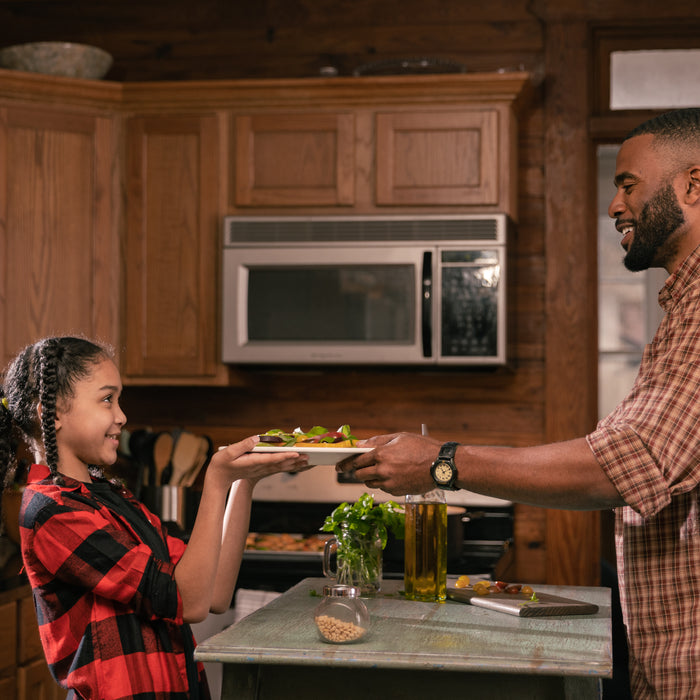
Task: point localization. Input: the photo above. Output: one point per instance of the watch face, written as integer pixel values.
(443, 472)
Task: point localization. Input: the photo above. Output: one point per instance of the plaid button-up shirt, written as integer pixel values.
(109, 612)
(649, 447)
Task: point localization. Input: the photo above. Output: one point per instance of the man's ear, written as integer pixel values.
(692, 192)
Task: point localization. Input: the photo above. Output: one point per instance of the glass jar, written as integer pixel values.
(358, 559)
(341, 617)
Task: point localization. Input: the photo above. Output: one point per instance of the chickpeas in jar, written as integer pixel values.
(341, 617)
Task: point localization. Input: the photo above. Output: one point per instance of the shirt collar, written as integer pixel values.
(40, 472)
(677, 283)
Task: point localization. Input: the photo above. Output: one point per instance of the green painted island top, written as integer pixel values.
(415, 635)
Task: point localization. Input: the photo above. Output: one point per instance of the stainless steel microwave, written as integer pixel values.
(423, 290)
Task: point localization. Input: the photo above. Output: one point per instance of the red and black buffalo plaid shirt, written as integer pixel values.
(101, 567)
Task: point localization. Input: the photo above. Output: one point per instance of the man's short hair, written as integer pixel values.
(679, 126)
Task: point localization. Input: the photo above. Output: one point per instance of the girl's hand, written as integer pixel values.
(238, 461)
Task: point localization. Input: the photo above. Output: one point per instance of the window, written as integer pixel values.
(659, 79)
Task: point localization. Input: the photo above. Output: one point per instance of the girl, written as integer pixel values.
(113, 591)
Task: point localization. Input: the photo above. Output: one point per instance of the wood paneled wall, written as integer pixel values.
(180, 40)
(548, 390)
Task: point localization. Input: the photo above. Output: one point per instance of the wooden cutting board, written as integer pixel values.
(521, 605)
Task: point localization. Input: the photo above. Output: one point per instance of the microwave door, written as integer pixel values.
(324, 304)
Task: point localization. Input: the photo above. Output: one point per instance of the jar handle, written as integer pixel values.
(329, 548)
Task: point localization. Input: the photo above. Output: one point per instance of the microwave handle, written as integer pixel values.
(427, 304)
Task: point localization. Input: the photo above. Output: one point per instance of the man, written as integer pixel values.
(644, 458)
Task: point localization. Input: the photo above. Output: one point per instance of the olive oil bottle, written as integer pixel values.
(425, 561)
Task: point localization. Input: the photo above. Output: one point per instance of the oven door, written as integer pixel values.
(324, 303)
(478, 540)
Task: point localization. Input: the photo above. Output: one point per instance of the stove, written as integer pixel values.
(299, 503)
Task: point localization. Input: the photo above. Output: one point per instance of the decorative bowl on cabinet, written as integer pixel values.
(57, 58)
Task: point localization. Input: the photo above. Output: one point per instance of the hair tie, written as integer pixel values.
(5, 403)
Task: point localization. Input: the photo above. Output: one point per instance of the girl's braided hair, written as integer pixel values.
(43, 372)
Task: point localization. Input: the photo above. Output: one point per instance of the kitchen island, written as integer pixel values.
(415, 650)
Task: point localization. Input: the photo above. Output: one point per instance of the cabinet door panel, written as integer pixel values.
(437, 158)
(172, 253)
(55, 200)
(29, 646)
(8, 688)
(294, 160)
(34, 682)
(8, 635)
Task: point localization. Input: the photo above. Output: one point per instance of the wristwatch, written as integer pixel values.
(443, 471)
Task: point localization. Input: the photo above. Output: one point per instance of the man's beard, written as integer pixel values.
(660, 218)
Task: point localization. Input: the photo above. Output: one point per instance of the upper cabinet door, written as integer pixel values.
(294, 160)
(59, 238)
(438, 158)
(171, 260)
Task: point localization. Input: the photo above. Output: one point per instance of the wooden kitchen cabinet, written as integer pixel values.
(34, 682)
(421, 158)
(8, 649)
(377, 146)
(70, 182)
(24, 674)
(8, 687)
(294, 159)
(172, 252)
(429, 158)
(59, 244)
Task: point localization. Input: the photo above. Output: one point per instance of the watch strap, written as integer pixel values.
(448, 450)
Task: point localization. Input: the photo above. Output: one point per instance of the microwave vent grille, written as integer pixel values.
(245, 230)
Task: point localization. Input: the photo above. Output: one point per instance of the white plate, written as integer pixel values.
(318, 455)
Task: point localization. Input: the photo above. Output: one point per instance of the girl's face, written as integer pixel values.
(88, 425)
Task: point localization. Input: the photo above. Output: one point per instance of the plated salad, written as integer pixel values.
(318, 436)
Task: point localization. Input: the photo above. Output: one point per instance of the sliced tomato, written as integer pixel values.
(330, 436)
